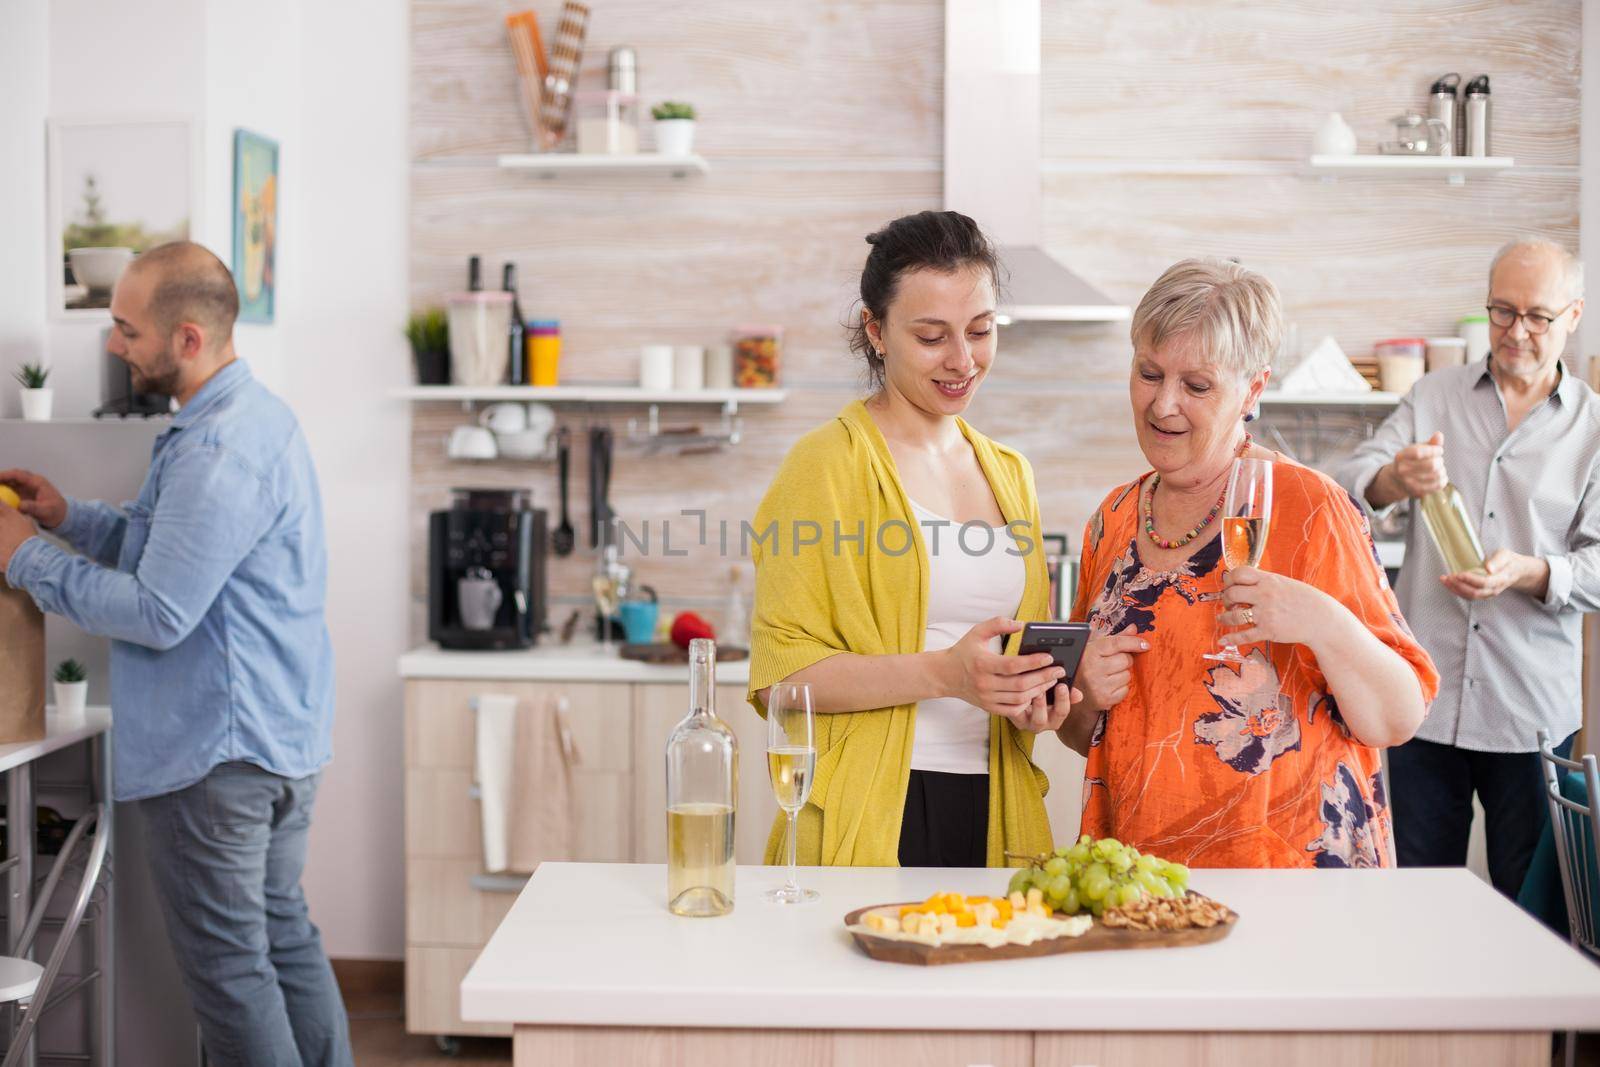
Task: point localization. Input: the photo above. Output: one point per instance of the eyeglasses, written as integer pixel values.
(1537, 323)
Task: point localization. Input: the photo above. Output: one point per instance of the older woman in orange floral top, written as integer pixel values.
(1272, 762)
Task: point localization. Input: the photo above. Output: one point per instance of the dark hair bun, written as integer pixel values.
(943, 241)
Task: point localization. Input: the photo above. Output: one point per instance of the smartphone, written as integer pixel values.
(1065, 641)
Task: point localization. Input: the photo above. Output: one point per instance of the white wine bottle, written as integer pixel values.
(1445, 515)
(702, 785)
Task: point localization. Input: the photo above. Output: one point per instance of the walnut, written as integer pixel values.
(1168, 913)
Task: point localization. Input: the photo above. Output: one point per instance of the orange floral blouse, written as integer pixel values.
(1238, 765)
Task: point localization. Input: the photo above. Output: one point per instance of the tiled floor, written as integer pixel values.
(378, 1034)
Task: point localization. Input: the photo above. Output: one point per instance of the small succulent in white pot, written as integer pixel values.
(72, 691)
(36, 394)
(674, 128)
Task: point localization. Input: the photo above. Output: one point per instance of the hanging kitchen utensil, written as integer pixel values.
(606, 445)
(599, 481)
(564, 538)
(566, 52)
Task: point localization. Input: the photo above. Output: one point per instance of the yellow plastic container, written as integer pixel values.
(544, 351)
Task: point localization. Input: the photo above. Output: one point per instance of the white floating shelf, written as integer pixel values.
(589, 394)
(1374, 399)
(1455, 168)
(550, 164)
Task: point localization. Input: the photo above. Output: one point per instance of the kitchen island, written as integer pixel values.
(1324, 967)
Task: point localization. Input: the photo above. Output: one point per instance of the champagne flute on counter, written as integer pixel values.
(1246, 518)
(791, 764)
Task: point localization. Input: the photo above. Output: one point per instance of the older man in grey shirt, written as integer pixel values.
(1520, 438)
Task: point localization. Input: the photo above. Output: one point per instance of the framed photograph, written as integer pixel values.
(255, 224)
(117, 187)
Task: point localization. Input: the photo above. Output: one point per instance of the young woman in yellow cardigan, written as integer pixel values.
(895, 551)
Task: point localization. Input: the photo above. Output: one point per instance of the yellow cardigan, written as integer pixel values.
(870, 597)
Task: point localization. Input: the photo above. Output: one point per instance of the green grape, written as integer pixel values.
(1122, 861)
(1020, 882)
(1097, 871)
(1058, 888)
(1085, 839)
(1095, 888)
(1151, 865)
(1078, 854)
(1069, 903)
(1055, 867)
(1178, 875)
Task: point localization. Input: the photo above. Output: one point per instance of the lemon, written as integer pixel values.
(9, 496)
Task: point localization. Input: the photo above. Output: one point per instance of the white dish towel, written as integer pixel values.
(497, 720)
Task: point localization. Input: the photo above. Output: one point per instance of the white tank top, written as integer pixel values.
(974, 573)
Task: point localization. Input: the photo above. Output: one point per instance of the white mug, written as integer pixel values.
(504, 418)
(655, 367)
(470, 442)
(689, 368)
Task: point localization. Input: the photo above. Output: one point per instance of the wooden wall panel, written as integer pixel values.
(1157, 79)
(851, 79)
(822, 120)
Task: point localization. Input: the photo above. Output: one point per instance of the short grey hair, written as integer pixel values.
(1233, 313)
(1571, 265)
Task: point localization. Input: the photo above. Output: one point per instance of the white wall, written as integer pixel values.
(253, 81)
(329, 83)
(345, 352)
(108, 60)
(25, 58)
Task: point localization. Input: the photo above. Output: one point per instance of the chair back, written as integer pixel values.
(1575, 829)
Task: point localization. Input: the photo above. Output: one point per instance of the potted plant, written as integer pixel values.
(674, 128)
(429, 334)
(35, 394)
(72, 691)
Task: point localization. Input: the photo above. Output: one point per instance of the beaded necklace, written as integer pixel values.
(1149, 516)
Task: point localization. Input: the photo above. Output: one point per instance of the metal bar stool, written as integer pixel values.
(23, 981)
(1575, 829)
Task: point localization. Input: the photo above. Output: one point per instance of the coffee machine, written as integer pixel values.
(486, 571)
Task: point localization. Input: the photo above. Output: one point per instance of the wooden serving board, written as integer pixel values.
(667, 652)
(1098, 939)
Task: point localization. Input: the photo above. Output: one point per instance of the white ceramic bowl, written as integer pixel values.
(525, 444)
(99, 268)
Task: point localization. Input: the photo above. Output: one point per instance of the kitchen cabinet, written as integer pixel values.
(620, 728)
(448, 918)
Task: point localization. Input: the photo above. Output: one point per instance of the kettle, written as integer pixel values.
(1416, 136)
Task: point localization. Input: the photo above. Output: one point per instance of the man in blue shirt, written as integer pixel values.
(211, 586)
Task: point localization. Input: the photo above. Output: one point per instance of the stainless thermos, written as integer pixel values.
(1475, 118)
(1442, 106)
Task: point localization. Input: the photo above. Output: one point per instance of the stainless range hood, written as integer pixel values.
(991, 157)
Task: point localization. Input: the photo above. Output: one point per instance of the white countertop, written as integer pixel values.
(96, 720)
(551, 662)
(1414, 949)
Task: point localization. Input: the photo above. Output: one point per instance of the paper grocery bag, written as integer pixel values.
(21, 667)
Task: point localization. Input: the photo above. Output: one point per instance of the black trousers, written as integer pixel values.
(1432, 786)
(946, 821)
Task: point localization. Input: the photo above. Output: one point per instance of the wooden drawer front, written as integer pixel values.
(441, 727)
(442, 907)
(433, 992)
(602, 807)
(441, 814)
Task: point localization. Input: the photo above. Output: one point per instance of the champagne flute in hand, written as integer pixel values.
(791, 762)
(1246, 517)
